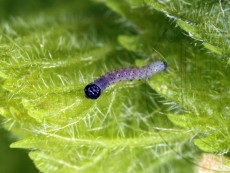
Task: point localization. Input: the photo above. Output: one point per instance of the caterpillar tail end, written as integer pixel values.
(92, 91)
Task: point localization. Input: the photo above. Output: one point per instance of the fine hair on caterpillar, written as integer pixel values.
(94, 89)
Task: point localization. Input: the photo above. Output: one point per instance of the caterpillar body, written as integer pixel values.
(94, 89)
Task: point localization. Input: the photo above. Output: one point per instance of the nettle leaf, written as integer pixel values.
(100, 154)
(47, 58)
(196, 82)
(204, 20)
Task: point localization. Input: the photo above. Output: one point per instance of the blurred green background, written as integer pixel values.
(13, 160)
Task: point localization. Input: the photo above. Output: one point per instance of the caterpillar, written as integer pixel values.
(94, 89)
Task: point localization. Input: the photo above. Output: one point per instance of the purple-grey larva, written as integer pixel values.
(94, 89)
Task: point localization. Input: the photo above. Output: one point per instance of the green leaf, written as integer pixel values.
(204, 20)
(213, 143)
(50, 54)
(193, 84)
(90, 154)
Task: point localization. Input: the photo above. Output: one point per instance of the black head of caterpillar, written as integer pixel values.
(92, 91)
